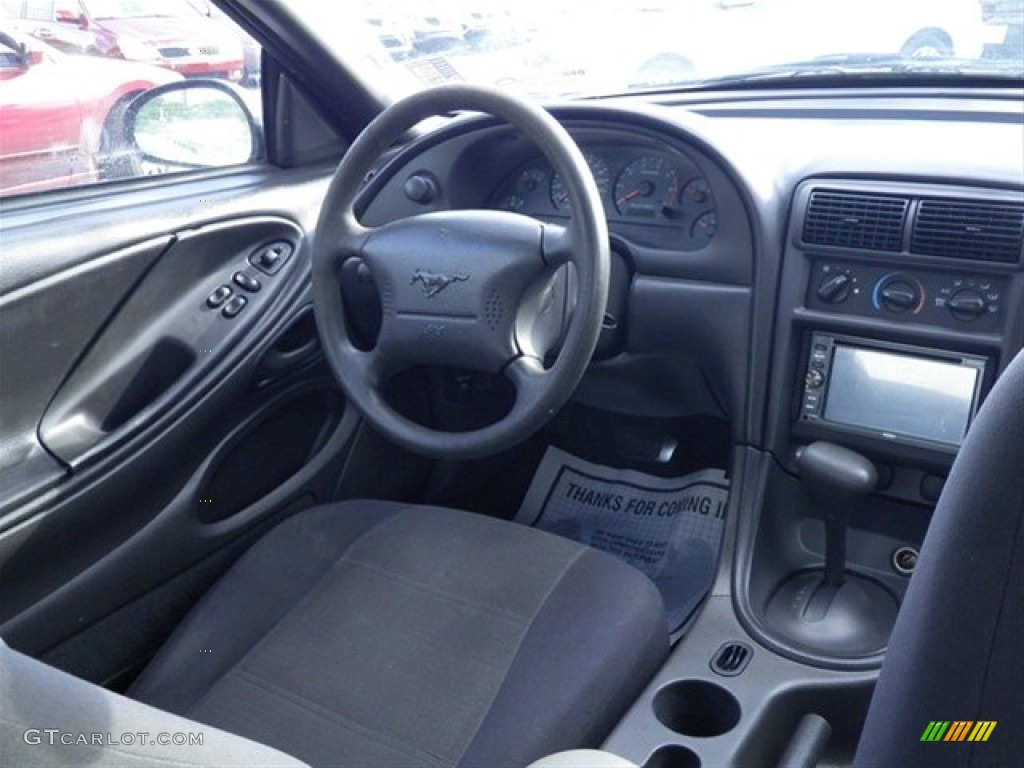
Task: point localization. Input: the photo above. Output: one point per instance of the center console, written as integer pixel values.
(898, 307)
(899, 304)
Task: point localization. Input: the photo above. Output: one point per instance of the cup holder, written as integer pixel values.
(673, 756)
(696, 708)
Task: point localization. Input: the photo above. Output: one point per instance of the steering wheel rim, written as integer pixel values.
(468, 317)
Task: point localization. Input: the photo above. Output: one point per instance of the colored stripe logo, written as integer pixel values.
(958, 730)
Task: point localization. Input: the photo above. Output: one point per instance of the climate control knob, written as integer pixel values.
(967, 305)
(899, 296)
(835, 289)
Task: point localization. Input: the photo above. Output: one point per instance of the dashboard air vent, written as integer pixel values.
(966, 229)
(855, 220)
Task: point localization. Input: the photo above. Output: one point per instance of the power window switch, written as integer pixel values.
(219, 296)
(233, 307)
(246, 282)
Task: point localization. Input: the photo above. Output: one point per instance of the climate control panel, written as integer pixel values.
(965, 300)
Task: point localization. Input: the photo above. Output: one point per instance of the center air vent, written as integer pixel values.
(855, 220)
(966, 229)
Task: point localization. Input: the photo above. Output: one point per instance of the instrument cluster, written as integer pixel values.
(657, 198)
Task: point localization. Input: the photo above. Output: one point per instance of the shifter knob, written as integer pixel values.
(840, 612)
(836, 478)
(829, 470)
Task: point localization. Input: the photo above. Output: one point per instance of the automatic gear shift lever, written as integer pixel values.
(833, 610)
(837, 480)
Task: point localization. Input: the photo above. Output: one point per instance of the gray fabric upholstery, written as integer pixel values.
(367, 634)
(93, 725)
(955, 652)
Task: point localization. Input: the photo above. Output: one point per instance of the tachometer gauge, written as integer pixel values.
(599, 168)
(647, 188)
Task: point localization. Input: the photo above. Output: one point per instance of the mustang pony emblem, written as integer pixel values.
(432, 283)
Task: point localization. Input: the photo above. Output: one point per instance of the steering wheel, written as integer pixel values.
(461, 287)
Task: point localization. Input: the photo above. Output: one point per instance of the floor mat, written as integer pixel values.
(669, 528)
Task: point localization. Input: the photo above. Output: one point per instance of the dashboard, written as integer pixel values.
(672, 208)
(742, 228)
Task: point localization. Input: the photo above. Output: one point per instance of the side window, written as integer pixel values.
(71, 68)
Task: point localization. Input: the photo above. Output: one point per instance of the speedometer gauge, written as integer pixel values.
(647, 188)
(560, 197)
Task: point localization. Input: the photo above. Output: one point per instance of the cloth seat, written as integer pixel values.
(377, 634)
(51, 718)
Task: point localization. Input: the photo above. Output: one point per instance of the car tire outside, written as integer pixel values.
(115, 158)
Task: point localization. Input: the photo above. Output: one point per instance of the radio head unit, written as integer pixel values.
(892, 392)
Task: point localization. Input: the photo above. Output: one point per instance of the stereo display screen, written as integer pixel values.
(901, 394)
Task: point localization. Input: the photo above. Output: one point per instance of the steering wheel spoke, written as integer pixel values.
(349, 234)
(529, 379)
(559, 245)
(368, 366)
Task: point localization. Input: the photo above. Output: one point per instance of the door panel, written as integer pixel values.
(147, 433)
(44, 326)
(168, 335)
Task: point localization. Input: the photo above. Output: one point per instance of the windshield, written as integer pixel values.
(562, 48)
(135, 9)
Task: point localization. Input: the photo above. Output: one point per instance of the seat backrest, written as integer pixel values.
(48, 717)
(954, 662)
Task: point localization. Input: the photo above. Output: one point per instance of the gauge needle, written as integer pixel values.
(633, 194)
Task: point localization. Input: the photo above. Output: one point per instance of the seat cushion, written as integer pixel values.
(378, 634)
(51, 718)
